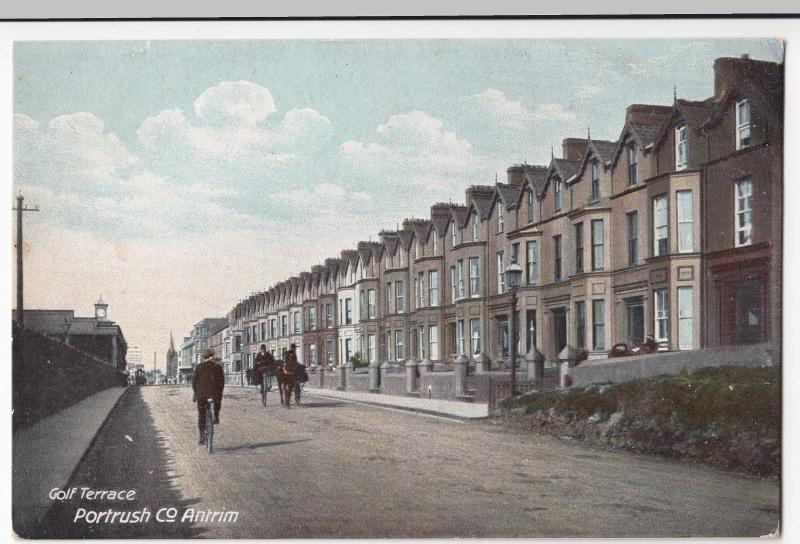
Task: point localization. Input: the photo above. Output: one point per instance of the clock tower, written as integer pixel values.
(101, 310)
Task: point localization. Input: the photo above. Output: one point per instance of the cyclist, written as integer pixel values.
(208, 383)
(261, 364)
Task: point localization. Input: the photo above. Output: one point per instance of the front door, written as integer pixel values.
(635, 317)
(748, 325)
(559, 329)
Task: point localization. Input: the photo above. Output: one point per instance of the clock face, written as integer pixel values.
(101, 312)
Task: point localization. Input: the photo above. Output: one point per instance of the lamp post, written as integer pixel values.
(513, 276)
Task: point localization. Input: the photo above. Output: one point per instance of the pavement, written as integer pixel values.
(333, 468)
(443, 408)
(46, 454)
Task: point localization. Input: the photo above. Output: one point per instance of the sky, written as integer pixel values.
(175, 178)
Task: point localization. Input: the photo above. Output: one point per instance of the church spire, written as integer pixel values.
(171, 342)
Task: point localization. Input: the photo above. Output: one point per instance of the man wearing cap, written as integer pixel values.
(208, 382)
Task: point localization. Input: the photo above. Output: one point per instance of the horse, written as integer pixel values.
(287, 378)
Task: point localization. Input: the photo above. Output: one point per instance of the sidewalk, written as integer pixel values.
(446, 408)
(46, 454)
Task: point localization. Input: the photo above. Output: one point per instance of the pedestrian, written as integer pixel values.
(208, 383)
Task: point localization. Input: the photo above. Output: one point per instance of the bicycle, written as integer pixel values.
(210, 426)
(298, 388)
(267, 382)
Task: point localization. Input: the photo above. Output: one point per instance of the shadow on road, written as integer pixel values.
(127, 453)
(322, 405)
(250, 447)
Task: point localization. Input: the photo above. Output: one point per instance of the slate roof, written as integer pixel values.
(422, 229)
(392, 242)
(364, 251)
(406, 236)
(508, 194)
(377, 250)
(566, 168)
(695, 114)
(482, 197)
(459, 215)
(440, 216)
(536, 180)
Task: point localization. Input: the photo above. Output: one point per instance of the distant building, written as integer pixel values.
(172, 359)
(96, 335)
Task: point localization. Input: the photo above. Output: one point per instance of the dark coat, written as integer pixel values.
(209, 380)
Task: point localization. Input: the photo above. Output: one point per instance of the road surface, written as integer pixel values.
(337, 469)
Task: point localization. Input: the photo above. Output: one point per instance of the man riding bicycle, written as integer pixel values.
(208, 383)
(264, 363)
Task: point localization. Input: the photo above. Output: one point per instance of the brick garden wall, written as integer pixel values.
(393, 384)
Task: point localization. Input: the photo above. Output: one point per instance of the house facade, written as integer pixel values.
(671, 232)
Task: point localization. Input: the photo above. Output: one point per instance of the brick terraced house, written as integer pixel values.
(671, 232)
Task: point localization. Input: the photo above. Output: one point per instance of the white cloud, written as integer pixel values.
(235, 103)
(587, 92)
(232, 132)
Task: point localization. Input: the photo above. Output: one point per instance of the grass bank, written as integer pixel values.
(726, 416)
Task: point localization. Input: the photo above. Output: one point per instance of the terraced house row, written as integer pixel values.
(673, 231)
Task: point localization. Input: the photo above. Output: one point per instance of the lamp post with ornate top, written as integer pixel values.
(513, 276)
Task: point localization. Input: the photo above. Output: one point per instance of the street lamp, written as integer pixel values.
(513, 276)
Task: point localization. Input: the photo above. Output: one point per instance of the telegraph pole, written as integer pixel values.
(19, 209)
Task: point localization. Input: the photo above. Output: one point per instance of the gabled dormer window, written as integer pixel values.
(558, 193)
(681, 147)
(742, 124)
(501, 212)
(476, 228)
(435, 243)
(454, 234)
(633, 164)
(595, 180)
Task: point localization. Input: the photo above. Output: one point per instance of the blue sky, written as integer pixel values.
(175, 177)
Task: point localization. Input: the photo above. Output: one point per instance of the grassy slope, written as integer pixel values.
(727, 416)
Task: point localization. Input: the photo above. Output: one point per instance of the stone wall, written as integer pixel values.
(48, 376)
(393, 384)
(625, 369)
(358, 382)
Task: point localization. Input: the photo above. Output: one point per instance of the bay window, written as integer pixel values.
(599, 324)
(475, 335)
(474, 277)
(532, 264)
(744, 213)
(598, 256)
(685, 222)
(660, 228)
(433, 287)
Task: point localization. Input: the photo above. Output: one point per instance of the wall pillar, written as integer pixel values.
(482, 363)
(374, 377)
(412, 386)
(535, 361)
(460, 375)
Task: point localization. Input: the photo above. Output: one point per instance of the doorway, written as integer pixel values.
(747, 302)
(559, 329)
(634, 314)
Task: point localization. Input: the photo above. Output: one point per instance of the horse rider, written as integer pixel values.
(208, 383)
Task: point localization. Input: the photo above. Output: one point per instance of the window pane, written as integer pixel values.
(685, 317)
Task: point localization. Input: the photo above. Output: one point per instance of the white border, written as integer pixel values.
(787, 29)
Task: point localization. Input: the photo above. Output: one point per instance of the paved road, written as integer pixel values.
(336, 469)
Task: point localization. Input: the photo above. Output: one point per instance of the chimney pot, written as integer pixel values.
(746, 56)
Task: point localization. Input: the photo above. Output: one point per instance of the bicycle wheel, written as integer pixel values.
(264, 390)
(210, 427)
